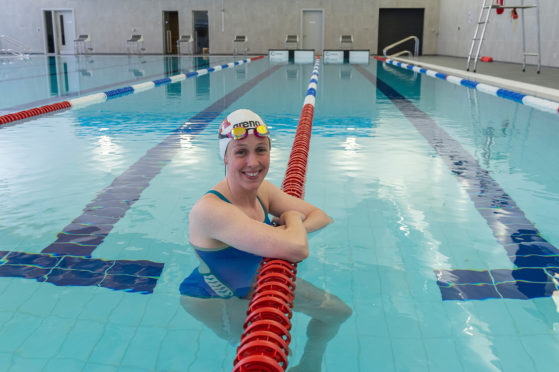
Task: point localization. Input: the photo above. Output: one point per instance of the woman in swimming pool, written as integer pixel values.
(230, 232)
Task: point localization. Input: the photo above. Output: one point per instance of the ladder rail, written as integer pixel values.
(482, 22)
(531, 54)
(12, 47)
(487, 14)
(523, 39)
(415, 47)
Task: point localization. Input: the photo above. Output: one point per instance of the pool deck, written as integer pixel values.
(502, 74)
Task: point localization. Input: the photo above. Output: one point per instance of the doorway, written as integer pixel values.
(201, 35)
(313, 30)
(170, 31)
(397, 24)
(59, 31)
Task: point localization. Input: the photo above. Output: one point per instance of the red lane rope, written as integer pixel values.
(265, 341)
(21, 115)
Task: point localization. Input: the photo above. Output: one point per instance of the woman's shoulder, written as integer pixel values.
(211, 200)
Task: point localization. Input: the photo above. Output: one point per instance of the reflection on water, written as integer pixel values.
(405, 80)
(292, 72)
(241, 72)
(52, 73)
(171, 68)
(489, 142)
(345, 72)
(202, 83)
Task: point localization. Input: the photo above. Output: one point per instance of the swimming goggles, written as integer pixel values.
(240, 133)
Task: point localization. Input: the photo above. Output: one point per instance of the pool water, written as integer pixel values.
(445, 202)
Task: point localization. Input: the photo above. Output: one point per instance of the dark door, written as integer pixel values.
(397, 24)
(201, 35)
(49, 31)
(170, 31)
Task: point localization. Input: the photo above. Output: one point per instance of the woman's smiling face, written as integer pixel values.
(248, 160)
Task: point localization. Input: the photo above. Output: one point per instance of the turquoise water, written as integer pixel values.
(402, 215)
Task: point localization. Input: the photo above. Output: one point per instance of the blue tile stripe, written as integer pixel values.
(132, 276)
(522, 241)
(67, 260)
(521, 284)
(528, 100)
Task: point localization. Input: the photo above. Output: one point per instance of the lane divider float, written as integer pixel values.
(91, 99)
(265, 341)
(534, 102)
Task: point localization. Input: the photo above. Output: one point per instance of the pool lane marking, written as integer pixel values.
(80, 102)
(525, 247)
(128, 275)
(531, 101)
(66, 261)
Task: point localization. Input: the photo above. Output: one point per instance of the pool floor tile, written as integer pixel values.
(171, 356)
(374, 322)
(121, 314)
(410, 355)
(61, 364)
(433, 320)
(544, 351)
(17, 330)
(442, 355)
(23, 364)
(528, 319)
(112, 345)
(513, 355)
(47, 339)
(375, 354)
(401, 318)
(476, 353)
(143, 348)
(81, 339)
(95, 367)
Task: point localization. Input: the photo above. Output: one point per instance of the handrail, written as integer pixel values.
(400, 53)
(415, 49)
(17, 48)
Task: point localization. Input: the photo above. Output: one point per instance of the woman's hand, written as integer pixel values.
(280, 221)
(279, 202)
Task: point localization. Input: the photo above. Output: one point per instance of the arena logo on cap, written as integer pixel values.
(247, 124)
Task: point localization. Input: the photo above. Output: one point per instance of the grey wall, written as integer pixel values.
(503, 36)
(264, 22)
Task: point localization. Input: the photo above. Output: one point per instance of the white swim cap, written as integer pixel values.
(246, 121)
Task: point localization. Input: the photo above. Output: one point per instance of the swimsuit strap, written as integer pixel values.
(263, 207)
(222, 197)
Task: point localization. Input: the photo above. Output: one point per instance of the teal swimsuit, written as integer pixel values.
(224, 272)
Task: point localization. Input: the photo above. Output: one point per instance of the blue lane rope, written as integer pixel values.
(141, 87)
(528, 100)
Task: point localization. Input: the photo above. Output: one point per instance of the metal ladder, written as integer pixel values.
(525, 53)
(483, 20)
